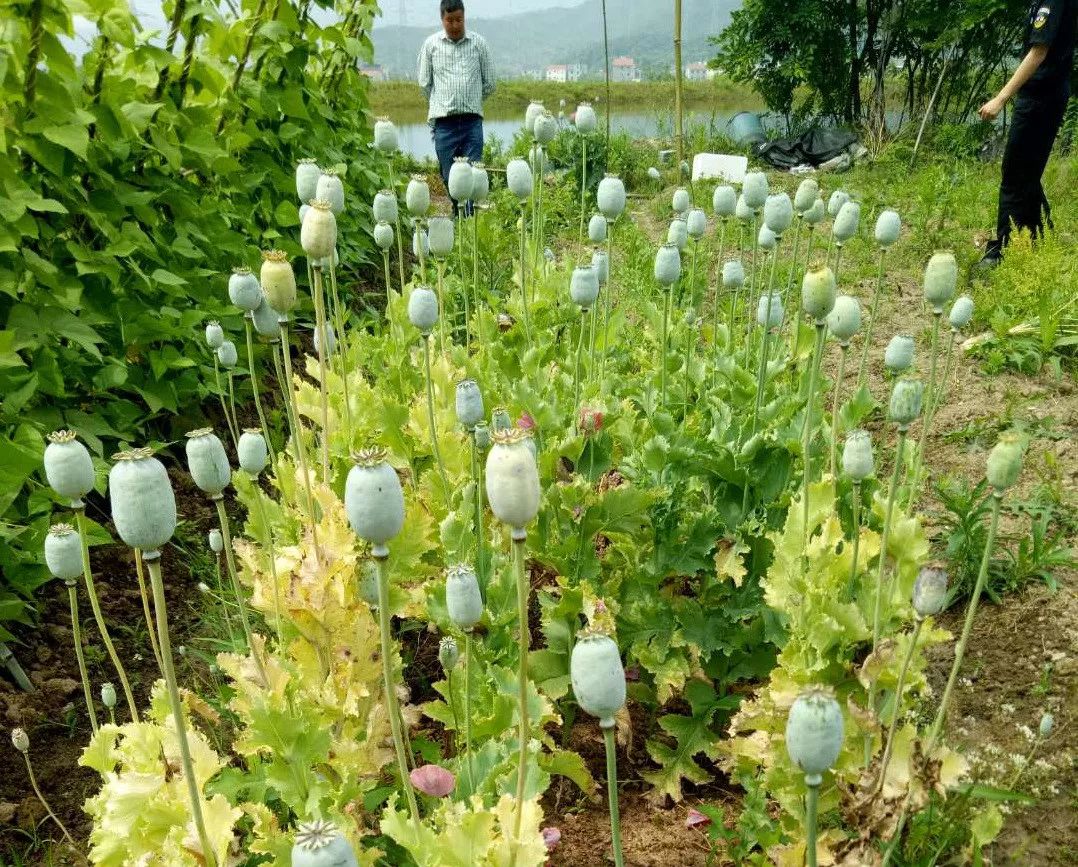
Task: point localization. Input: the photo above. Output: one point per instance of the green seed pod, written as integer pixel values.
(846, 222)
(243, 289)
(227, 355)
(941, 279)
(461, 181)
(546, 128)
(385, 135)
(384, 236)
(385, 206)
(441, 236)
(906, 398)
(769, 310)
(754, 190)
(518, 176)
(537, 160)
(844, 318)
(278, 281)
(898, 356)
(601, 264)
(482, 436)
(733, 274)
(667, 265)
(480, 183)
(888, 228)
(696, 223)
(930, 590)
(724, 201)
(20, 740)
(368, 583)
(63, 552)
(678, 234)
(611, 197)
(778, 213)
(681, 201)
(598, 676)
(815, 214)
(253, 451)
(307, 175)
(835, 203)
(417, 196)
(420, 244)
(469, 404)
(1005, 462)
(207, 462)
(814, 733)
(215, 335)
(818, 292)
(586, 120)
(266, 320)
(448, 653)
(499, 419)
(1047, 724)
(373, 499)
(330, 190)
(512, 480)
(584, 286)
(531, 114)
(423, 309)
(216, 541)
(961, 313)
(320, 844)
(766, 239)
(462, 597)
(143, 504)
(318, 234)
(654, 173)
(597, 229)
(858, 462)
(68, 467)
(108, 695)
(808, 191)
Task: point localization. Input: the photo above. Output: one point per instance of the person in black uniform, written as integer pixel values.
(1042, 85)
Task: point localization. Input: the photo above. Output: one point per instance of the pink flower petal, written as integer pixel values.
(552, 837)
(526, 422)
(696, 819)
(433, 780)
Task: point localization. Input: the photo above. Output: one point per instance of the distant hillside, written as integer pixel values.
(643, 29)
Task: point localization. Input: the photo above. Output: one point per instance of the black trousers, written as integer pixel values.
(1034, 126)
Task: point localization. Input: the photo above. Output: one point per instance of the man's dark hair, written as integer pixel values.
(452, 6)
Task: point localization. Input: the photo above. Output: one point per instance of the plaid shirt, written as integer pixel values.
(456, 76)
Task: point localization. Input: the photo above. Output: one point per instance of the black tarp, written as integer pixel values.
(813, 147)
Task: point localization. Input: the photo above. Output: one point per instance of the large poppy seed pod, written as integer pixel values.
(667, 265)
(941, 278)
(253, 451)
(586, 120)
(330, 190)
(440, 235)
(681, 200)
(546, 128)
(844, 319)
(423, 309)
(815, 214)
(724, 201)
(385, 206)
(68, 467)
(448, 653)
(778, 213)
(417, 196)
(1005, 462)
(888, 228)
(845, 227)
(278, 281)
(307, 175)
(518, 175)
(766, 239)
(512, 479)
(1046, 725)
(420, 244)
(143, 505)
(482, 436)
(807, 193)
(597, 229)
(611, 197)
(215, 335)
(207, 461)
(961, 312)
(678, 233)
(654, 173)
(320, 844)
(769, 310)
(814, 733)
(385, 135)
(837, 200)
(930, 590)
(462, 597)
(754, 189)
(598, 676)
(243, 289)
(373, 499)
(858, 461)
(266, 320)
(601, 263)
(460, 180)
(898, 356)
(906, 398)
(531, 114)
(818, 292)
(584, 286)
(742, 210)
(318, 234)
(63, 552)
(696, 223)
(733, 274)
(384, 235)
(480, 183)
(216, 541)
(227, 355)
(469, 404)
(499, 419)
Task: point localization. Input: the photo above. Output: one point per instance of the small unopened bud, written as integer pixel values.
(108, 695)
(448, 653)
(1005, 462)
(930, 590)
(1047, 724)
(20, 740)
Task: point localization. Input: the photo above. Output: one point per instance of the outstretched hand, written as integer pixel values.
(991, 109)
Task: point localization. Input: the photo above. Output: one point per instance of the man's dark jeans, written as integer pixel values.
(459, 135)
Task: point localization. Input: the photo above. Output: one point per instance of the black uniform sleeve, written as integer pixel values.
(1044, 26)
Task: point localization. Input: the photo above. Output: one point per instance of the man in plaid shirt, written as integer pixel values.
(457, 74)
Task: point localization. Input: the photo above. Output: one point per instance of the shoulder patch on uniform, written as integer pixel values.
(1042, 17)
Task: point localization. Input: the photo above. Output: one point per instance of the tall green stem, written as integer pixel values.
(144, 593)
(99, 618)
(897, 714)
(838, 259)
(761, 375)
(856, 533)
(468, 709)
(608, 291)
(812, 800)
(520, 537)
(153, 561)
(754, 284)
(400, 239)
(44, 803)
(323, 389)
(76, 634)
(793, 261)
(430, 417)
(612, 794)
(271, 550)
(583, 184)
(946, 378)
(667, 303)
(477, 478)
(718, 283)
(863, 369)
(440, 268)
(845, 348)
(256, 389)
(224, 404)
(232, 405)
(475, 275)
(241, 603)
(524, 273)
(342, 354)
(931, 404)
(692, 273)
(806, 433)
(576, 369)
(892, 492)
(389, 284)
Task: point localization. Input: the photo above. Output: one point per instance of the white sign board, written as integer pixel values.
(724, 167)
